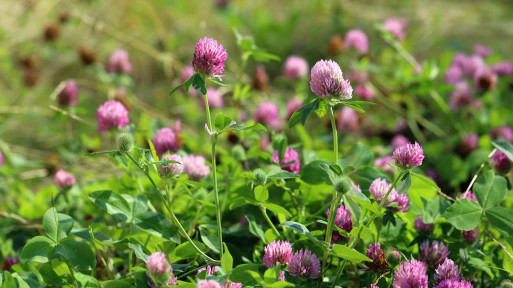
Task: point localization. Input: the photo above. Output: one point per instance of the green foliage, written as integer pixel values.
(465, 214)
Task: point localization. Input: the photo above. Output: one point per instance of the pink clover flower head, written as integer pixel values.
(304, 264)
(434, 254)
(382, 163)
(171, 169)
(292, 106)
(64, 179)
(469, 143)
(408, 156)
(453, 74)
(277, 252)
(379, 188)
(501, 162)
(379, 263)
(209, 57)
(208, 284)
(268, 113)
(396, 26)
(281, 276)
(157, 265)
(364, 92)
(1, 158)
(231, 285)
(446, 270)
(470, 236)
(290, 161)
(403, 203)
(410, 274)
(504, 68)
(342, 221)
(461, 96)
(295, 67)
(357, 39)
(119, 63)
(421, 227)
(326, 81)
(195, 167)
(502, 132)
(211, 270)
(398, 140)
(170, 282)
(348, 120)
(482, 50)
(454, 283)
(69, 94)
(468, 195)
(111, 115)
(165, 141)
(485, 79)
(9, 262)
(215, 98)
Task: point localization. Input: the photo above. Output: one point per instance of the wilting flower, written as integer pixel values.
(326, 81)
(304, 264)
(348, 120)
(502, 132)
(64, 179)
(379, 263)
(268, 113)
(208, 284)
(214, 97)
(210, 270)
(260, 78)
(9, 262)
(410, 274)
(470, 236)
(504, 68)
(396, 26)
(379, 188)
(433, 255)
(292, 106)
(336, 45)
(119, 63)
(69, 94)
(409, 156)
(468, 195)
(454, 283)
(290, 161)
(342, 221)
(501, 162)
(485, 79)
(295, 67)
(447, 270)
(111, 115)
(195, 167)
(171, 169)
(398, 140)
(357, 39)
(277, 252)
(165, 141)
(461, 96)
(209, 57)
(421, 227)
(382, 163)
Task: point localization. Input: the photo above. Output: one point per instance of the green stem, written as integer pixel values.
(357, 239)
(264, 211)
(175, 220)
(130, 261)
(335, 135)
(214, 174)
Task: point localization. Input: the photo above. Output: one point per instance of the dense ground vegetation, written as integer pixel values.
(157, 144)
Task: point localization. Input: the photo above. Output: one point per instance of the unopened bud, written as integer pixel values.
(393, 256)
(125, 142)
(260, 175)
(238, 153)
(342, 186)
(506, 284)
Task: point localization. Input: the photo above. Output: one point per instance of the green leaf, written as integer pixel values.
(79, 254)
(99, 153)
(138, 251)
(404, 183)
(501, 218)
(270, 276)
(50, 277)
(254, 228)
(121, 158)
(262, 56)
(227, 260)
(309, 109)
(57, 231)
(465, 214)
(185, 85)
(157, 225)
(261, 193)
(489, 189)
(254, 127)
(199, 84)
(222, 121)
(296, 116)
(435, 208)
(354, 107)
(281, 149)
(359, 102)
(505, 147)
(349, 254)
(240, 274)
(116, 284)
(298, 227)
(219, 83)
(153, 151)
(281, 174)
(37, 249)
(361, 199)
(276, 209)
(113, 203)
(210, 240)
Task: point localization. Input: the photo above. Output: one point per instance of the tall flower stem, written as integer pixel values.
(357, 239)
(214, 174)
(264, 211)
(173, 216)
(332, 213)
